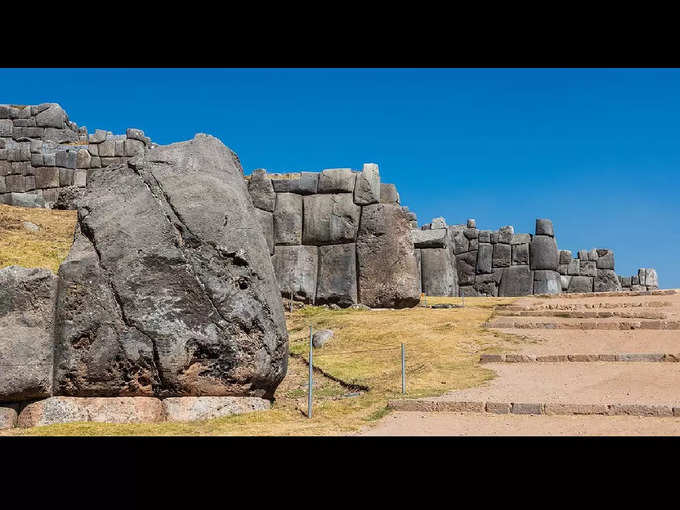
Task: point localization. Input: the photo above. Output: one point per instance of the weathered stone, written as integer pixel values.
(36, 160)
(386, 262)
(132, 147)
(367, 186)
(543, 252)
(388, 194)
(336, 282)
(544, 227)
(563, 269)
(592, 255)
(184, 409)
(27, 300)
(321, 337)
(501, 255)
(107, 149)
(605, 259)
(565, 257)
(625, 281)
(516, 281)
(524, 408)
(485, 257)
(309, 183)
(466, 264)
(574, 267)
(330, 219)
(471, 223)
(565, 280)
(60, 135)
(54, 117)
(8, 418)
(337, 180)
(261, 190)
(484, 236)
(98, 137)
(288, 219)
(651, 278)
(435, 238)
(83, 159)
(266, 221)
(65, 177)
(286, 183)
(135, 134)
(26, 200)
(186, 302)
(505, 234)
(471, 233)
(106, 410)
(583, 255)
(606, 281)
(296, 271)
(468, 291)
(439, 222)
(461, 243)
(587, 268)
(80, 178)
(15, 183)
(580, 284)
(49, 159)
(547, 282)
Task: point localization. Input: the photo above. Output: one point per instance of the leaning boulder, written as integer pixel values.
(169, 289)
(386, 259)
(27, 300)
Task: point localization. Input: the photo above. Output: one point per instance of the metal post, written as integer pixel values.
(425, 300)
(311, 376)
(291, 301)
(403, 370)
(463, 296)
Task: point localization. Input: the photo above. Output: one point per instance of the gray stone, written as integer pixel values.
(547, 282)
(83, 159)
(583, 255)
(520, 254)
(49, 159)
(471, 233)
(30, 227)
(474, 245)
(592, 255)
(261, 190)
(36, 160)
(60, 135)
(468, 291)
(93, 149)
(435, 238)
(419, 266)
(606, 281)
(579, 284)
(466, 264)
(98, 137)
(563, 269)
(605, 259)
(66, 177)
(388, 194)
(565, 280)
(185, 409)
(438, 273)
(587, 268)
(8, 418)
(47, 177)
(5, 168)
(288, 219)
(321, 337)
(27, 300)
(502, 255)
(286, 183)
(484, 236)
(574, 268)
(15, 183)
(635, 280)
(367, 186)
(26, 200)
(505, 234)
(119, 148)
(132, 147)
(438, 223)
(337, 282)
(296, 271)
(386, 262)
(80, 178)
(651, 278)
(135, 134)
(337, 180)
(626, 281)
(544, 227)
(543, 252)
(485, 257)
(309, 183)
(186, 302)
(516, 281)
(266, 220)
(461, 244)
(107, 149)
(565, 257)
(54, 117)
(330, 219)
(6, 127)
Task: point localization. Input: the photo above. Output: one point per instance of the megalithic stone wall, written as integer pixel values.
(43, 153)
(338, 236)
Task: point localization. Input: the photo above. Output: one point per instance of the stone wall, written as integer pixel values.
(43, 153)
(322, 232)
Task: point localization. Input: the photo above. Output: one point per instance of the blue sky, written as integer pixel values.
(595, 150)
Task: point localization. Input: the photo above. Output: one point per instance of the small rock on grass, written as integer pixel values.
(321, 337)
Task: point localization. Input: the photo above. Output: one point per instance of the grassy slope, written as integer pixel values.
(442, 352)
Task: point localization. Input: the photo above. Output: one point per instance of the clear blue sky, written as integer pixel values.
(595, 150)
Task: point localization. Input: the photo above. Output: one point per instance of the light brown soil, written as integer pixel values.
(477, 424)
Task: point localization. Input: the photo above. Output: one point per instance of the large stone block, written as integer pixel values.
(502, 255)
(186, 409)
(296, 271)
(367, 186)
(435, 238)
(606, 281)
(466, 265)
(547, 282)
(605, 259)
(288, 219)
(386, 261)
(286, 183)
(261, 191)
(587, 268)
(516, 281)
(337, 180)
(461, 244)
(574, 267)
(266, 220)
(337, 277)
(27, 300)
(330, 219)
(543, 252)
(169, 289)
(485, 257)
(54, 117)
(544, 227)
(309, 183)
(388, 193)
(505, 234)
(565, 257)
(520, 254)
(579, 284)
(565, 280)
(438, 273)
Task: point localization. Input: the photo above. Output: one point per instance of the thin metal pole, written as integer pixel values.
(403, 370)
(463, 296)
(425, 300)
(311, 376)
(291, 301)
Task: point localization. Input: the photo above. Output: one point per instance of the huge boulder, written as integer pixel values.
(547, 282)
(386, 260)
(27, 300)
(543, 253)
(439, 277)
(516, 281)
(606, 280)
(337, 277)
(296, 268)
(580, 284)
(330, 219)
(168, 289)
(288, 219)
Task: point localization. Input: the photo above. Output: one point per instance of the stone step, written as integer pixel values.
(586, 314)
(583, 306)
(562, 358)
(533, 408)
(576, 295)
(556, 323)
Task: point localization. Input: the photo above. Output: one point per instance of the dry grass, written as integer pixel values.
(442, 353)
(46, 248)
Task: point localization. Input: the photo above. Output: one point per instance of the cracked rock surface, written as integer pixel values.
(168, 289)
